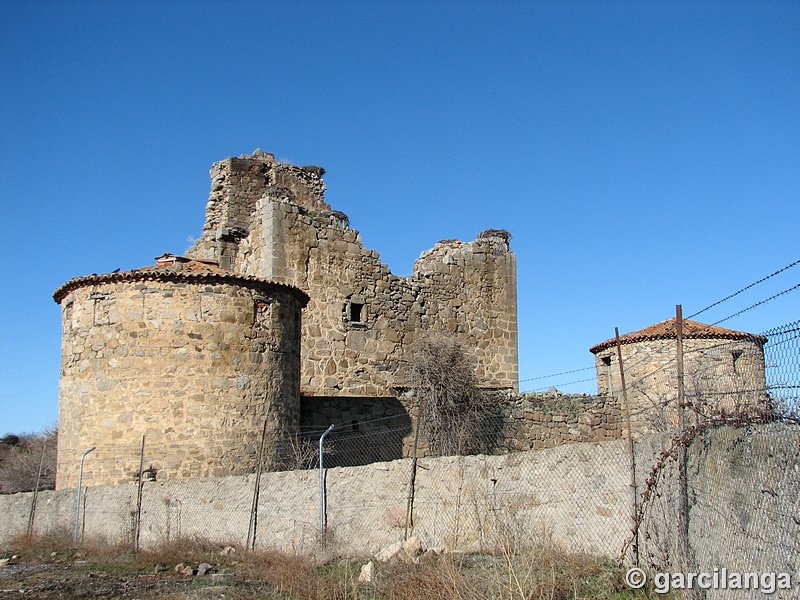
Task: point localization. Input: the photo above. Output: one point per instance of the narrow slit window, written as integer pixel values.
(263, 312)
(735, 356)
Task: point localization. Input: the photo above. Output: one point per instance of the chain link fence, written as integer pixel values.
(577, 494)
(715, 483)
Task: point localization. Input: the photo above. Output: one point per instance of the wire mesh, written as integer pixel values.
(500, 492)
(782, 360)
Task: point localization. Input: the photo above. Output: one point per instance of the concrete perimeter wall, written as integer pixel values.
(578, 493)
(743, 490)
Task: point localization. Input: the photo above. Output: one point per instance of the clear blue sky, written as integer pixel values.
(643, 154)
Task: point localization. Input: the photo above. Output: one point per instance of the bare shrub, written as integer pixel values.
(547, 570)
(784, 409)
(444, 579)
(293, 452)
(20, 466)
(185, 549)
(452, 408)
(291, 575)
(41, 545)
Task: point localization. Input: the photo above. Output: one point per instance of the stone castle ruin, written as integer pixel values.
(278, 313)
(196, 352)
(268, 219)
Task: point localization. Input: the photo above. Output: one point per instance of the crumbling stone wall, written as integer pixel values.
(195, 362)
(236, 185)
(549, 419)
(361, 318)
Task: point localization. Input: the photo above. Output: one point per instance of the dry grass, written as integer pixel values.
(540, 572)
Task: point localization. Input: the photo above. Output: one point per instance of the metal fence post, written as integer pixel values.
(413, 478)
(631, 449)
(252, 528)
(684, 546)
(78, 499)
(138, 522)
(323, 520)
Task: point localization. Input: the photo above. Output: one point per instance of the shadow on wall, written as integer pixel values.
(366, 430)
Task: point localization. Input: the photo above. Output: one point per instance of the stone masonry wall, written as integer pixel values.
(361, 317)
(236, 185)
(549, 419)
(375, 429)
(194, 364)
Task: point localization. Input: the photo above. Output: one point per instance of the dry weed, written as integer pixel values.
(544, 571)
(446, 579)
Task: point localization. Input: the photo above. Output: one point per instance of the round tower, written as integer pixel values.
(724, 373)
(189, 357)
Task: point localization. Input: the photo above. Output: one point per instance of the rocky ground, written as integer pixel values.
(82, 579)
(47, 569)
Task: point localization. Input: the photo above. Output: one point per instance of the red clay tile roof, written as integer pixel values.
(171, 267)
(666, 330)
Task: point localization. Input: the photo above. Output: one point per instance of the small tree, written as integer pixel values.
(451, 406)
(20, 466)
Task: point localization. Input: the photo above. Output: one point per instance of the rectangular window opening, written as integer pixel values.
(355, 312)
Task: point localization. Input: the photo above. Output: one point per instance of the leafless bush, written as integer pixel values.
(444, 580)
(20, 466)
(784, 409)
(293, 452)
(452, 408)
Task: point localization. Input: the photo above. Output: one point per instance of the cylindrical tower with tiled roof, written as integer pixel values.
(724, 373)
(190, 356)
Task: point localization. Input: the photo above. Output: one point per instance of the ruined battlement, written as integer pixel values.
(269, 219)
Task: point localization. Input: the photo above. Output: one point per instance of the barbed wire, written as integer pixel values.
(389, 423)
(693, 333)
(718, 302)
(762, 302)
(707, 328)
(563, 383)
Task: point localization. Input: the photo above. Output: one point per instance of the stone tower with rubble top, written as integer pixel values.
(270, 220)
